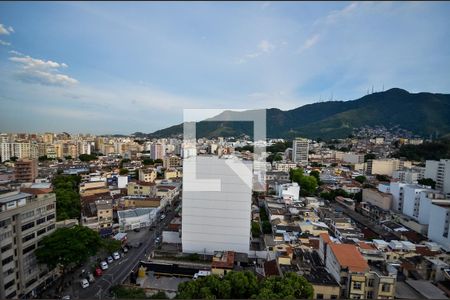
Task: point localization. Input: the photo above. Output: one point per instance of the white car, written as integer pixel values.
(110, 259)
(84, 283)
(116, 255)
(163, 216)
(104, 265)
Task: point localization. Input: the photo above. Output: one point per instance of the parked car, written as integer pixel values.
(98, 272)
(84, 283)
(116, 255)
(137, 229)
(125, 249)
(110, 259)
(66, 297)
(104, 265)
(158, 239)
(163, 216)
(90, 277)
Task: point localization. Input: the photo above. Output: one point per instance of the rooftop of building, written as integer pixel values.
(223, 260)
(13, 196)
(349, 257)
(136, 212)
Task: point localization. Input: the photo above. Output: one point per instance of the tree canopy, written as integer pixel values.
(427, 182)
(245, 285)
(308, 184)
(87, 157)
(68, 246)
(426, 151)
(67, 198)
(361, 179)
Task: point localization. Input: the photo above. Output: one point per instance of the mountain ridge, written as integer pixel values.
(422, 113)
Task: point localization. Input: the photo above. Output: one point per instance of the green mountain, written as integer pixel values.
(420, 113)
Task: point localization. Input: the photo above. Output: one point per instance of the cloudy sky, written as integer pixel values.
(125, 67)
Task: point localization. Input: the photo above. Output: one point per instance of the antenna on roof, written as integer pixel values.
(383, 87)
(372, 89)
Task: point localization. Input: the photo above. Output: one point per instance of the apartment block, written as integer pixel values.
(26, 170)
(438, 228)
(439, 171)
(147, 174)
(141, 188)
(386, 166)
(24, 220)
(300, 150)
(216, 205)
(172, 161)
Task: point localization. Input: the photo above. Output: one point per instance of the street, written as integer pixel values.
(120, 269)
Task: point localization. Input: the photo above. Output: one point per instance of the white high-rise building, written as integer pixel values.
(300, 150)
(439, 171)
(218, 219)
(157, 151)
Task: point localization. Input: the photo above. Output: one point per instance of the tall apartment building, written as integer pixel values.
(386, 166)
(409, 175)
(439, 171)
(157, 151)
(26, 170)
(19, 150)
(300, 150)
(353, 158)
(411, 199)
(171, 161)
(25, 219)
(396, 189)
(439, 226)
(217, 209)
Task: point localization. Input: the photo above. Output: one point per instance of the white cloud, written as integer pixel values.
(6, 30)
(14, 52)
(310, 42)
(40, 71)
(266, 46)
(5, 43)
(336, 14)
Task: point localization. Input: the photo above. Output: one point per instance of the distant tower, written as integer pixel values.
(372, 89)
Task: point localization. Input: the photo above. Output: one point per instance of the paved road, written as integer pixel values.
(119, 270)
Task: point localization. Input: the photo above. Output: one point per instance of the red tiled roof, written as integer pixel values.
(349, 257)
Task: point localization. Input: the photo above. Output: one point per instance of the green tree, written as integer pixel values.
(296, 174)
(361, 179)
(110, 245)
(369, 156)
(123, 171)
(427, 182)
(308, 185)
(266, 227)
(382, 177)
(256, 231)
(315, 174)
(68, 204)
(68, 247)
(68, 157)
(148, 161)
(87, 157)
(125, 160)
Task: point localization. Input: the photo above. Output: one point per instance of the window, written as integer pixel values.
(6, 248)
(49, 217)
(5, 235)
(4, 223)
(29, 248)
(12, 295)
(8, 272)
(50, 206)
(40, 221)
(386, 287)
(29, 283)
(357, 285)
(50, 227)
(333, 297)
(41, 232)
(7, 260)
(27, 226)
(10, 284)
(28, 237)
(369, 295)
(370, 282)
(27, 214)
(319, 296)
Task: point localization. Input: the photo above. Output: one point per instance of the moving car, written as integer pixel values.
(104, 265)
(116, 255)
(84, 283)
(110, 259)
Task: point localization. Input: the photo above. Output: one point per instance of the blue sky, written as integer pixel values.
(122, 67)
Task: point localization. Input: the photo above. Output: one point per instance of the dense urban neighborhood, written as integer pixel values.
(366, 217)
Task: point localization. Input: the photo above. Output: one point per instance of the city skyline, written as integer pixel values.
(84, 67)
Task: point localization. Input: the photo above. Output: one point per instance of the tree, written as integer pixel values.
(148, 161)
(427, 182)
(68, 157)
(43, 158)
(67, 248)
(361, 179)
(382, 177)
(67, 198)
(125, 160)
(123, 171)
(87, 157)
(308, 185)
(315, 174)
(256, 230)
(111, 245)
(296, 174)
(266, 227)
(245, 285)
(369, 156)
